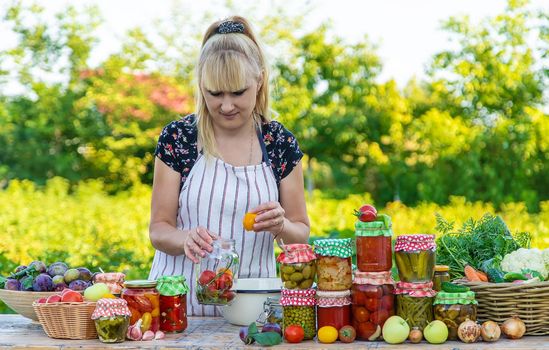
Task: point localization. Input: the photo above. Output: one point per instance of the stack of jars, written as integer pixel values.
(372, 293)
(298, 271)
(334, 281)
(415, 259)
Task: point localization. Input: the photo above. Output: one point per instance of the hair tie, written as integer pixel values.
(230, 27)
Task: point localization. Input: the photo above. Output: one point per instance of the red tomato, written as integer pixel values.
(224, 282)
(358, 297)
(205, 277)
(347, 334)
(372, 291)
(294, 333)
(387, 302)
(366, 329)
(360, 313)
(379, 317)
(373, 304)
(228, 294)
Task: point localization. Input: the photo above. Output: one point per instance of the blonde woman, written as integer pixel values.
(227, 159)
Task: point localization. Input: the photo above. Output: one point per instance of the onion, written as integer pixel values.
(468, 331)
(415, 335)
(513, 328)
(489, 331)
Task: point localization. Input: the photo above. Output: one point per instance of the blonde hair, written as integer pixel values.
(226, 63)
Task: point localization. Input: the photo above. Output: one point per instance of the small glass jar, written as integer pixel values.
(144, 303)
(272, 312)
(455, 308)
(299, 308)
(113, 280)
(372, 297)
(333, 308)
(173, 303)
(414, 303)
(297, 266)
(415, 258)
(373, 246)
(216, 274)
(111, 318)
(442, 274)
(334, 272)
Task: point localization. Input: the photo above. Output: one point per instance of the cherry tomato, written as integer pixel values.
(373, 304)
(205, 277)
(224, 282)
(360, 313)
(249, 221)
(375, 292)
(387, 302)
(347, 334)
(294, 333)
(366, 329)
(379, 317)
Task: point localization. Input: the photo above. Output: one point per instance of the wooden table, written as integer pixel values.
(17, 332)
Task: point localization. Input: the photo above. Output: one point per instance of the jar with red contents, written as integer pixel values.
(173, 303)
(333, 308)
(373, 245)
(144, 303)
(415, 257)
(334, 272)
(372, 297)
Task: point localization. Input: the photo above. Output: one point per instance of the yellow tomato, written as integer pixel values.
(249, 221)
(327, 334)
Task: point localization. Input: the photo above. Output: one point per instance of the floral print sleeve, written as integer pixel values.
(282, 148)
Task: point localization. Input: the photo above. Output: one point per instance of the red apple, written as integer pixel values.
(53, 299)
(72, 296)
(41, 300)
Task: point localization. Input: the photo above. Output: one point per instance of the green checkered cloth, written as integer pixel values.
(342, 248)
(464, 298)
(380, 227)
(172, 285)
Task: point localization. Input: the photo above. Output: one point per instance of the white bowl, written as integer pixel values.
(251, 293)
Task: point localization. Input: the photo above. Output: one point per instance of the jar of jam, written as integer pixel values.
(415, 258)
(299, 308)
(414, 303)
(144, 303)
(454, 308)
(272, 312)
(173, 303)
(373, 245)
(442, 274)
(297, 266)
(113, 280)
(372, 297)
(111, 318)
(216, 274)
(333, 308)
(333, 264)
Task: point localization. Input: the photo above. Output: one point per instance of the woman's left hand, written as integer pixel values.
(270, 217)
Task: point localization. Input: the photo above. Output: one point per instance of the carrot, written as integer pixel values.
(483, 277)
(471, 274)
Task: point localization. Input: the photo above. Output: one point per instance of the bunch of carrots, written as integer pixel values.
(474, 275)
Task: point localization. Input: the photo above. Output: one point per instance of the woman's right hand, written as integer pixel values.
(198, 242)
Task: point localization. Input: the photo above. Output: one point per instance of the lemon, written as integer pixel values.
(327, 334)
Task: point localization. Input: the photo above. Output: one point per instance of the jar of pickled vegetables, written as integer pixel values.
(113, 280)
(372, 297)
(415, 258)
(173, 303)
(333, 264)
(144, 303)
(299, 308)
(442, 274)
(111, 318)
(414, 303)
(373, 245)
(454, 308)
(297, 266)
(216, 274)
(272, 312)
(333, 308)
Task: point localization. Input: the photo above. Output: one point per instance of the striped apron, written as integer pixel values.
(216, 195)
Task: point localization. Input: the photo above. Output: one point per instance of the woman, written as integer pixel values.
(227, 159)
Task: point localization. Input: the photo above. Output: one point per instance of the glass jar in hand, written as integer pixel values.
(334, 272)
(143, 302)
(415, 258)
(111, 318)
(216, 274)
(173, 303)
(373, 245)
(297, 266)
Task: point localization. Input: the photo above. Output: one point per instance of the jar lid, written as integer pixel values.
(298, 297)
(107, 307)
(109, 277)
(333, 294)
(455, 298)
(373, 278)
(416, 290)
(373, 229)
(172, 285)
(409, 243)
(342, 248)
(296, 253)
(140, 284)
(331, 299)
(442, 268)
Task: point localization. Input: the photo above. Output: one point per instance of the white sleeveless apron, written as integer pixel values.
(216, 195)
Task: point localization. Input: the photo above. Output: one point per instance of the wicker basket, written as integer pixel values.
(21, 302)
(67, 320)
(500, 301)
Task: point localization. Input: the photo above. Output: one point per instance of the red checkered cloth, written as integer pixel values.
(111, 307)
(373, 278)
(298, 297)
(417, 290)
(333, 299)
(409, 243)
(296, 253)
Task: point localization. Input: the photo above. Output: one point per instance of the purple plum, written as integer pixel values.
(26, 283)
(245, 337)
(39, 266)
(79, 285)
(12, 284)
(85, 274)
(271, 327)
(59, 283)
(42, 283)
(57, 268)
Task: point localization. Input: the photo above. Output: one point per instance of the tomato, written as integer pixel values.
(205, 277)
(224, 282)
(358, 297)
(249, 221)
(360, 313)
(387, 302)
(366, 329)
(372, 304)
(294, 333)
(228, 295)
(375, 292)
(347, 334)
(379, 317)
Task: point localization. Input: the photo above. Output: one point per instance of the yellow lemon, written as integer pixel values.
(327, 334)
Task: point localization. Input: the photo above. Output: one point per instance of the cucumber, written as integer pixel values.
(495, 275)
(513, 276)
(449, 287)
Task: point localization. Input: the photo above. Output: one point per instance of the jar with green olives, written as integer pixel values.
(299, 309)
(297, 266)
(111, 318)
(414, 303)
(455, 308)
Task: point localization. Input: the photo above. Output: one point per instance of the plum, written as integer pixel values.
(271, 327)
(39, 266)
(78, 285)
(71, 275)
(85, 274)
(42, 283)
(57, 268)
(26, 283)
(245, 337)
(12, 284)
(59, 283)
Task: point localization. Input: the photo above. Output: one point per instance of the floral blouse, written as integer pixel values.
(177, 147)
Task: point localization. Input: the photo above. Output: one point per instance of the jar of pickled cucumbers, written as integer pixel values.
(415, 258)
(334, 272)
(414, 303)
(333, 308)
(297, 266)
(299, 309)
(144, 303)
(111, 318)
(442, 274)
(372, 297)
(373, 245)
(173, 303)
(455, 308)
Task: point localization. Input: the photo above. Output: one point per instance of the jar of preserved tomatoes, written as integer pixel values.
(415, 258)
(299, 309)
(414, 303)
(455, 308)
(216, 274)
(173, 303)
(111, 318)
(372, 297)
(113, 280)
(442, 274)
(373, 245)
(333, 264)
(297, 266)
(144, 303)
(333, 308)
